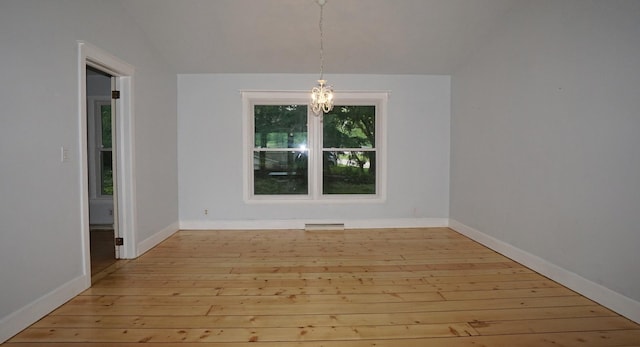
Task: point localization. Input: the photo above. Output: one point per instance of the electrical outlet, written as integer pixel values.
(65, 157)
(206, 212)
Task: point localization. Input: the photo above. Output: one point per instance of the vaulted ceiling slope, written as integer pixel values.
(282, 36)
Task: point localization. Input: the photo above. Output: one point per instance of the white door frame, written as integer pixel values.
(89, 55)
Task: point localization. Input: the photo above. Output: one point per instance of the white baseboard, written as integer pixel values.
(300, 223)
(152, 241)
(27, 315)
(606, 297)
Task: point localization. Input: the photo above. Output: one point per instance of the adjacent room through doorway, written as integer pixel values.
(100, 160)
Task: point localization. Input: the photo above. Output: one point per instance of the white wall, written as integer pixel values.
(210, 149)
(98, 85)
(545, 139)
(40, 236)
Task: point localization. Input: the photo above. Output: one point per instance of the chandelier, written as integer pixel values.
(322, 94)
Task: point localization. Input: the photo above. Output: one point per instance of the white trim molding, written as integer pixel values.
(90, 55)
(313, 147)
(155, 239)
(604, 296)
(300, 224)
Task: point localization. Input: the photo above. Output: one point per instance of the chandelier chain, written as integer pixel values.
(321, 41)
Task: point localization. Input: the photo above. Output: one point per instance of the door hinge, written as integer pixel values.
(119, 241)
(115, 94)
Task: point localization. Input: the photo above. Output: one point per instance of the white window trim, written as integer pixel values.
(250, 98)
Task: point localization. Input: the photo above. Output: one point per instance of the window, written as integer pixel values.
(280, 158)
(291, 154)
(103, 130)
(100, 148)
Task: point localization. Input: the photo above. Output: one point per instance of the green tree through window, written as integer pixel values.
(277, 168)
(349, 153)
(293, 154)
(106, 154)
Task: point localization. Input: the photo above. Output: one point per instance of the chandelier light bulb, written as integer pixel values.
(321, 98)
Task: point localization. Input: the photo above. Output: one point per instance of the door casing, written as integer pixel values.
(124, 197)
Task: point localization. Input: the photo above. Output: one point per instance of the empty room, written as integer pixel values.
(320, 173)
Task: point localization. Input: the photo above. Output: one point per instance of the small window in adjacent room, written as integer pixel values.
(292, 154)
(105, 150)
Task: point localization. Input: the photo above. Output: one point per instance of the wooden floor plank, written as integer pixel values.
(553, 325)
(473, 317)
(505, 293)
(616, 338)
(254, 300)
(231, 335)
(359, 289)
(353, 288)
(468, 275)
(290, 280)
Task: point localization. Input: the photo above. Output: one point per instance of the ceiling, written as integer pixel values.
(282, 36)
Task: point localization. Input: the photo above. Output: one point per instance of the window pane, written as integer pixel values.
(105, 115)
(350, 127)
(280, 126)
(349, 172)
(106, 173)
(280, 172)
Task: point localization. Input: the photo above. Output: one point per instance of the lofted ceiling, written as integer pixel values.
(282, 36)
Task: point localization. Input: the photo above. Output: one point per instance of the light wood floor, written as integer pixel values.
(381, 287)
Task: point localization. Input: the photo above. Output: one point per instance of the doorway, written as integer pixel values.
(101, 135)
(118, 209)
